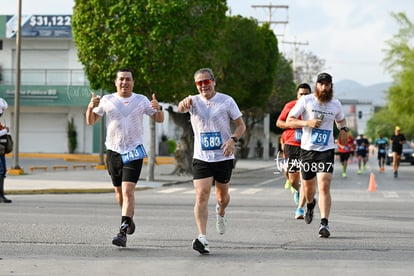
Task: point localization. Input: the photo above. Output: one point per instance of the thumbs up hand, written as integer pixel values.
(94, 101)
(154, 103)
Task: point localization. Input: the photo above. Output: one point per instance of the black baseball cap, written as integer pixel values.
(324, 77)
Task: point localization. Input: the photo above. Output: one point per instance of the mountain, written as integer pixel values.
(352, 90)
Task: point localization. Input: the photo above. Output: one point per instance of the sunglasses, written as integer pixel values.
(205, 82)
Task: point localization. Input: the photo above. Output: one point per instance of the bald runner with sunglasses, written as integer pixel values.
(291, 140)
(214, 145)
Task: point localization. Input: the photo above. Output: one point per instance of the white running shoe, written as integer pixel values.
(200, 244)
(221, 222)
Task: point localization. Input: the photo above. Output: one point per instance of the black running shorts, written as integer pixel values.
(292, 153)
(220, 171)
(313, 162)
(120, 172)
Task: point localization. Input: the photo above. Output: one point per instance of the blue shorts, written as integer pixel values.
(220, 171)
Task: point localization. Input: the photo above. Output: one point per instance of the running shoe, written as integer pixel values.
(395, 174)
(221, 222)
(296, 197)
(287, 184)
(344, 174)
(200, 244)
(359, 171)
(364, 167)
(131, 228)
(309, 212)
(120, 240)
(300, 213)
(4, 199)
(324, 231)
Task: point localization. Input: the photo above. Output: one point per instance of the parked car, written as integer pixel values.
(407, 155)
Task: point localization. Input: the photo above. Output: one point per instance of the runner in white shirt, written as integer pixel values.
(318, 113)
(124, 122)
(214, 144)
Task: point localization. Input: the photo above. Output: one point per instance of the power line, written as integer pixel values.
(270, 20)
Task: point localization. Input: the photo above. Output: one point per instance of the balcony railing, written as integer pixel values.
(45, 77)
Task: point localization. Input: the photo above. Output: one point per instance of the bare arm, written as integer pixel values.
(240, 128)
(185, 104)
(91, 117)
(229, 146)
(159, 115)
(281, 124)
(293, 122)
(343, 135)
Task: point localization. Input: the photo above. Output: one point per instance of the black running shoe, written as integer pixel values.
(120, 240)
(201, 245)
(4, 199)
(324, 231)
(309, 212)
(131, 228)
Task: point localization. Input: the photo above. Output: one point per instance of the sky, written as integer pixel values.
(350, 35)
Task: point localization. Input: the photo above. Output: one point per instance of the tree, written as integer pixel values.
(247, 67)
(161, 41)
(399, 61)
(308, 65)
(284, 92)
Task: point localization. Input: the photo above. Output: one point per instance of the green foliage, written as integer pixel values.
(285, 92)
(161, 41)
(248, 60)
(172, 146)
(399, 62)
(248, 56)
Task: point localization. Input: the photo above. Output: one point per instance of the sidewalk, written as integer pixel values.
(90, 180)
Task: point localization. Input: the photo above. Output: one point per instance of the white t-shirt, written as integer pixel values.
(210, 120)
(318, 139)
(124, 120)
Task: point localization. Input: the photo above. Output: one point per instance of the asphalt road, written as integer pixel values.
(70, 234)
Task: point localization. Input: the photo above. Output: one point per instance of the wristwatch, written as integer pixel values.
(346, 129)
(235, 139)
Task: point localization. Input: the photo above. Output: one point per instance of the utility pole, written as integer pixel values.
(270, 20)
(295, 49)
(266, 126)
(16, 169)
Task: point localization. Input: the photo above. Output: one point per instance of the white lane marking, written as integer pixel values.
(171, 190)
(265, 182)
(390, 194)
(250, 191)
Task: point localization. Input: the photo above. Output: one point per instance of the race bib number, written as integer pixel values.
(320, 136)
(382, 150)
(211, 140)
(361, 147)
(135, 154)
(298, 134)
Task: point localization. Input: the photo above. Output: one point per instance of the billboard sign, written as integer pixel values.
(52, 26)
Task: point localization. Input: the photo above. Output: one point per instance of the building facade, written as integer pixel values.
(54, 90)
